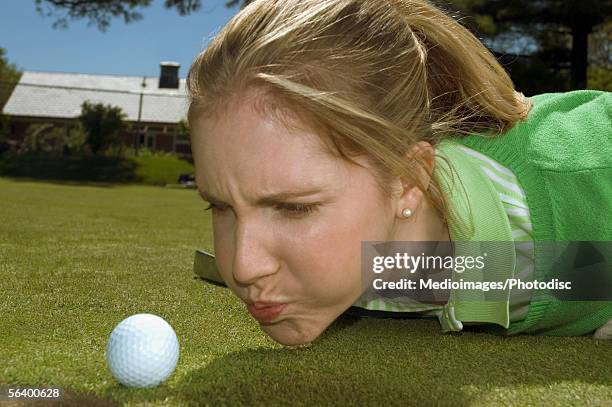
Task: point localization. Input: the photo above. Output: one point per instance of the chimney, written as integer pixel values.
(168, 77)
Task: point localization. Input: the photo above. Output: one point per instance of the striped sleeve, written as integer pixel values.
(514, 202)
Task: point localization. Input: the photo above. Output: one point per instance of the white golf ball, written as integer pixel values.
(142, 351)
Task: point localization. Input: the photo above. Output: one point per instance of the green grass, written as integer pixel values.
(148, 169)
(77, 259)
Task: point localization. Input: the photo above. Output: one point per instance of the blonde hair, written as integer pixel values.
(373, 76)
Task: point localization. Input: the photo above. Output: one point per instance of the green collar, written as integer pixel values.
(489, 223)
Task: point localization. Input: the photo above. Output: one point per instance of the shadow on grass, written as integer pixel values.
(93, 169)
(373, 361)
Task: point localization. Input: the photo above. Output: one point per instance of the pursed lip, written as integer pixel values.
(264, 311)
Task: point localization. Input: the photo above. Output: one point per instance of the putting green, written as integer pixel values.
(77, 259)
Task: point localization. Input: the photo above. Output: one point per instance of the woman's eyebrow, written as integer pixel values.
(267, 200)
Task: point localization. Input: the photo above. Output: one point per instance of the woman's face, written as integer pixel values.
(301, 251)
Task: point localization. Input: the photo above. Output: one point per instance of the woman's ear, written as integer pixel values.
(410, 195)
(425, 153)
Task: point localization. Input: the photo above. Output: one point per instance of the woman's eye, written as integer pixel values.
(298, 209)
(291, 209)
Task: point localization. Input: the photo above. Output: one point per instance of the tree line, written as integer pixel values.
(546, 45)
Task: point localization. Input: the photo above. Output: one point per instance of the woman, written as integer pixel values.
(317, 125)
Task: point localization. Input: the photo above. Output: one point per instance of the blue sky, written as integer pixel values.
(124, 49)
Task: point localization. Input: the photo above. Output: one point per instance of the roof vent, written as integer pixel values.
(168, 77)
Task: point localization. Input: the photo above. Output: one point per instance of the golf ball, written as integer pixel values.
(142, 351)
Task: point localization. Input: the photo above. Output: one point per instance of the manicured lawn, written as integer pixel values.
(145, 169)
(77, 259)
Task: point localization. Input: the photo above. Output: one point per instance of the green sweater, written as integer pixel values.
(562, 157)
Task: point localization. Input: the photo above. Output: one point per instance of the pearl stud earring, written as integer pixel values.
(406, 213)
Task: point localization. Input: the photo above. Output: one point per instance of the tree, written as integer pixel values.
(52, 138)
(242, 3)
(9, 76)
(556, 30)
(559, 29)
(102, 123)
(600, 58)
(101, 12)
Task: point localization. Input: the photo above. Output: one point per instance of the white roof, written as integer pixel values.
(60, 95)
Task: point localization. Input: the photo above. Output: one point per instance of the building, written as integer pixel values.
(153, 105)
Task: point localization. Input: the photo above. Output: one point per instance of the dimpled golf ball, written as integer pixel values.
(142, 351)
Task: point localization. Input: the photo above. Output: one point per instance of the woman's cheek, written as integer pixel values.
(340, 273)
(301, 326)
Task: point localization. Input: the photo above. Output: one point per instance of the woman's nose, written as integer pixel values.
(252, 260)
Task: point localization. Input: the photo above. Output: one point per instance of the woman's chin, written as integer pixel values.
(292, 333)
